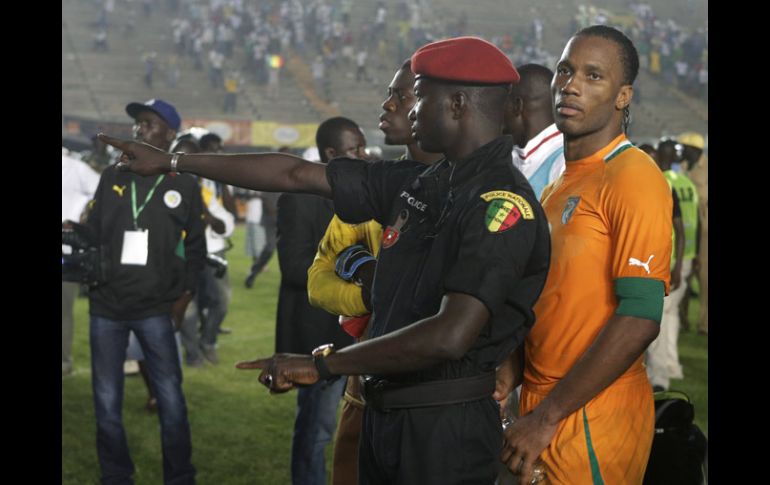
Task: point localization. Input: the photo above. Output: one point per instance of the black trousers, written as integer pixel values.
(442, 445)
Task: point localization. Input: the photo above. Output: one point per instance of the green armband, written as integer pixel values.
(640, 297)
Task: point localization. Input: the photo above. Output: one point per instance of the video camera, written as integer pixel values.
(85, 264)
(218, 263)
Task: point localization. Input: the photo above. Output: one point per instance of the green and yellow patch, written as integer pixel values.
(505, 209)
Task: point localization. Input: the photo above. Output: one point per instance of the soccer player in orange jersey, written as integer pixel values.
(587, 407)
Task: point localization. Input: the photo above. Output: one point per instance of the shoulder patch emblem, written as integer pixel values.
(172, 199)
(119, 190)
(391, 233)
(505, 209)
(516, 199)
(569, 208)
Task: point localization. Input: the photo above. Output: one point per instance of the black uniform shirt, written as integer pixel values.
(443, 234)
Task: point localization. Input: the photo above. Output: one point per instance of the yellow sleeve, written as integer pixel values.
(324, 288)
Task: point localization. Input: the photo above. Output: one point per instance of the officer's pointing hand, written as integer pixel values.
(281, 372)
(139, 158)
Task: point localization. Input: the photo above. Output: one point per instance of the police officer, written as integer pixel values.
(464, 256)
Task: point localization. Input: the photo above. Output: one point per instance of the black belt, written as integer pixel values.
(382, 395)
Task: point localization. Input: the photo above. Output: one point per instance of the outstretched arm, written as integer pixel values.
(272, 172)
(445, 336)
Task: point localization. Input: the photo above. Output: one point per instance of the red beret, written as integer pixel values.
(464, 59)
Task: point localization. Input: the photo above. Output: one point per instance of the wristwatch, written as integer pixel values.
(319, 359)
(174, 161)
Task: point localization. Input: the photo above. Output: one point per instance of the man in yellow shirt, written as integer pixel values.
(586, 404)
(300, 327)
(326, 289)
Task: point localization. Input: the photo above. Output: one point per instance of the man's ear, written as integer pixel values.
(170, 135)
(624, 97)
(330, 153)
(459, 103)
(517, 105)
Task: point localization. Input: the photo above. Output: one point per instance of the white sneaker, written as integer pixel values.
(130, 367)
(210, 353)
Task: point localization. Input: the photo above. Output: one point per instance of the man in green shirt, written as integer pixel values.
(663, 355)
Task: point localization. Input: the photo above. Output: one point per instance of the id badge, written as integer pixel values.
(135, 247)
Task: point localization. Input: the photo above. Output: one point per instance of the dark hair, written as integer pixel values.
(489, 100)
(667, 142)
(186, 145)
(186, 140)
(629, 57)
(535, 81)
(329, 131)
(209, 139)
(535, 72)
(185, 137)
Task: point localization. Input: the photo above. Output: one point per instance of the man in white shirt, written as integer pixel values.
(215, 289)
(209, 306)
(539, 146)
(538, 152)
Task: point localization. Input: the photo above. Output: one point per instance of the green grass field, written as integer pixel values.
(240, 433)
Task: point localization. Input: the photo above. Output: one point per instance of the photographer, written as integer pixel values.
(78, 184)
(153, 230)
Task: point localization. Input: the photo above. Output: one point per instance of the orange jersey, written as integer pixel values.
(610, 218)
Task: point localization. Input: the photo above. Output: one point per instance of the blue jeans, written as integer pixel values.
(313, 430)
(134, 349)
(109, 339)
(212, 296)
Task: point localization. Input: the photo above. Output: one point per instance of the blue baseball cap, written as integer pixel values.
(159, 107)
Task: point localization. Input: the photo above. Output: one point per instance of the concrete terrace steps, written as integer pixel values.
(665, 106)
(154, 35)
(361, 101)
(111, 79)
(664, 109)
(117, 76)
(290, 106)
(75, 78)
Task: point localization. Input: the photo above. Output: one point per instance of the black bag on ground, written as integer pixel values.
(679, 448)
